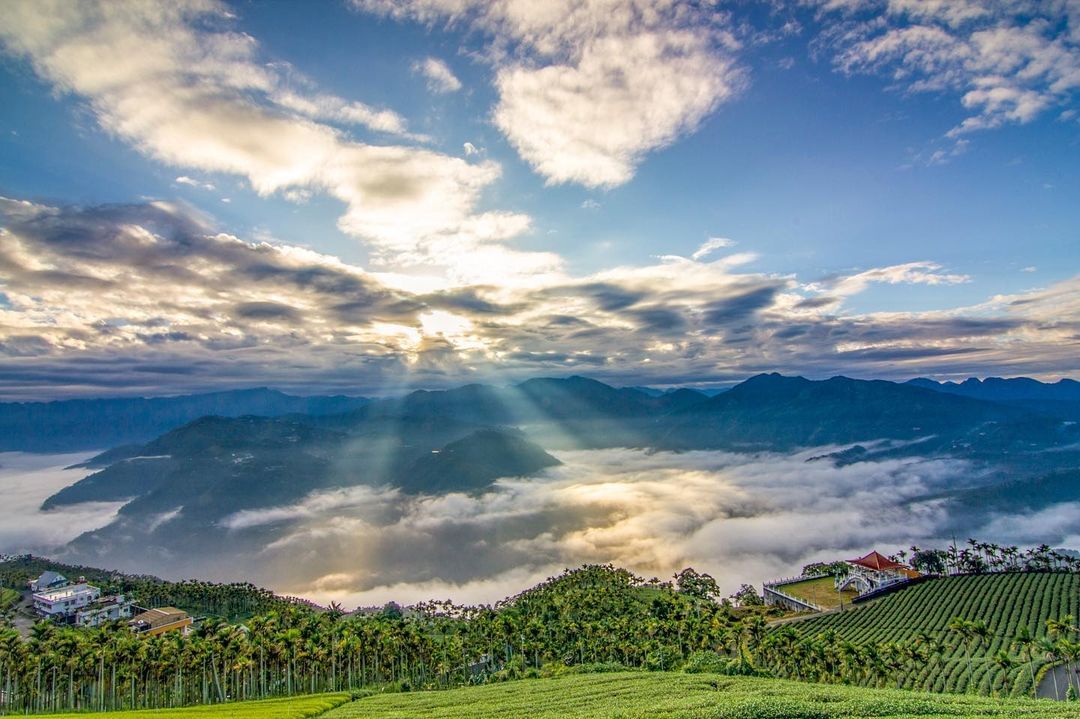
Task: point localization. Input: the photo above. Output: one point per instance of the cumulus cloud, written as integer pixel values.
(440, 77)
(26, 480)
(182, 88)
(1009, 62)
(587, 89)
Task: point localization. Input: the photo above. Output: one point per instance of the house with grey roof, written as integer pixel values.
(47, 581)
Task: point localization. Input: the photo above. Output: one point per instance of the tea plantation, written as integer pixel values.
(1003, 603)
(290, 708)
(687, 696)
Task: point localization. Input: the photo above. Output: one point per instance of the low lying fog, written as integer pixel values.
(742, 518)
(26, 480)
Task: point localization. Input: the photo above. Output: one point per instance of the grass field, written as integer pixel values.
(821, 592)
(686, 696)
(291, 708)
(1005, 602)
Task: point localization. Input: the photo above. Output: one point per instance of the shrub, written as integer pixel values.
(706, 663)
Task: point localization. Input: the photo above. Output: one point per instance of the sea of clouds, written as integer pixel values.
(740, 517)
(26, 480)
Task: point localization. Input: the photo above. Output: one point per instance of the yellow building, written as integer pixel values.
(163, 619)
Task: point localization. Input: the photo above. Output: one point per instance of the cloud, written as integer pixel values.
(743, 518)
(335, 109)
(587, 89)
(590, 204)
(1008, 62)
(917, 273)
(190, 182)
(26, 480)
(710, 246)
(153, 298)
(185, 90)
(1053, 525)
(440, 77)
(471, 149)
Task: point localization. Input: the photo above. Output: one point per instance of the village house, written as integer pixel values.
(104, 610)
(163, 619)
(47, 581)
(81, 603)
(64, 601)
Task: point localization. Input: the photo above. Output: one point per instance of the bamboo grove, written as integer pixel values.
(594, 615)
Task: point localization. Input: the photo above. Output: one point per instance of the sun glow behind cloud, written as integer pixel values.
(740, 517)
(153, 286)
(155, 295)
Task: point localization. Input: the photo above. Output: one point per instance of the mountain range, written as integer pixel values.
(82, 424)
(186, 486)
(1060, 399)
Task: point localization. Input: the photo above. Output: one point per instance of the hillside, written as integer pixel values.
(1059, 399)
(1027, 494)
(288, 708)
(80, 424)
(999, 389)
(474, 462)
(775, 412)
(233, 602)
(1004, 602)
(187, 487)
(625, 695)
(185, 484)
(684, 696)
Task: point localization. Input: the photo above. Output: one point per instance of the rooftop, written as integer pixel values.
(49, 577)
(876, 561)
(160, 616)
(60, 593)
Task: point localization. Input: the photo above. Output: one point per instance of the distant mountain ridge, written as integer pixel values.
(80, 424)
(73, 425)
(182, 487)
(775, 412)
(1059, 399)
(998, 389)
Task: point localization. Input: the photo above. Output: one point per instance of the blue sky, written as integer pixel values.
(897, 183)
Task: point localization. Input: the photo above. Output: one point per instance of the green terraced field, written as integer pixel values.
(291, 708)
(1005, 602)
(686, 696)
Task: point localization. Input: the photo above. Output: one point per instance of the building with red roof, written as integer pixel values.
(877, 562)
(872, 572)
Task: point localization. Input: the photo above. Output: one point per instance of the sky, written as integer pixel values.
(366, 195)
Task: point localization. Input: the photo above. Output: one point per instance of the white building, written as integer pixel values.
(63, 602)
(106, 609)
(48, 580)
